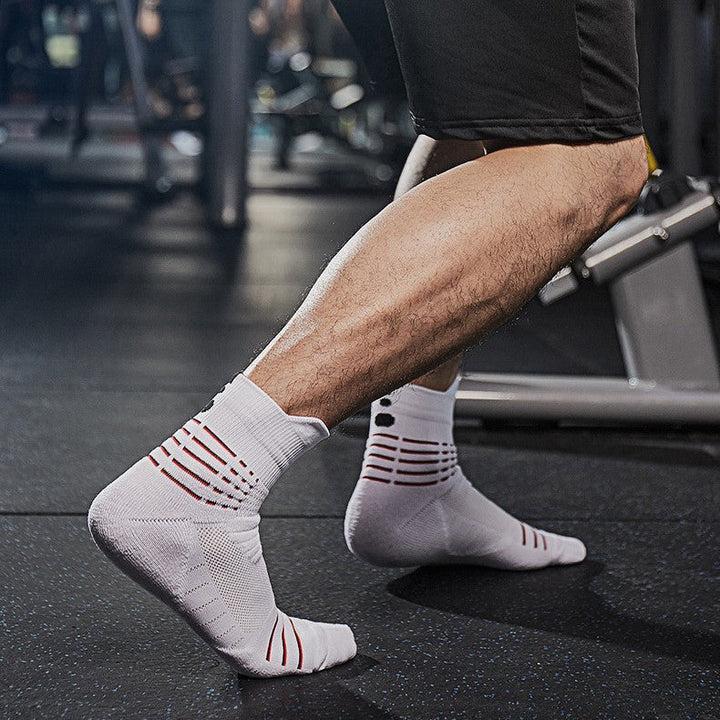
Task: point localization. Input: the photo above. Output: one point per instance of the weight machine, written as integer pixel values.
(661, 317)
(648, 262)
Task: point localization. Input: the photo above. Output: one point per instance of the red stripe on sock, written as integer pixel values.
(191, 473)
(229, 482)
(205, 447)
(435, 471)
(153, 460)
(544, 542)
(179, 484)
(234, 472)
(300, 650)
(379, 467)
(242, 479)
(416, 484)
(167, 454)
(237, 487)
(284, 660)
(233, 485)
(523, 530)
(186, 431)
(195, 495)
(200, 460)
(217, 504)
(272, 635)
(422, 442)
(383, 447)
(207, 484)
(218, 440)
(447, 477)
(195, 420)
(175, 440)
(382, 457)
(418, 452)
(427, 461)
(535, 536)
(392, 437)
(376, 479)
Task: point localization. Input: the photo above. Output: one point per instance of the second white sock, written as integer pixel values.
(413, 506)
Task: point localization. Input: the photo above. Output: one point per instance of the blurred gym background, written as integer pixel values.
(176, 94)
(88, 88)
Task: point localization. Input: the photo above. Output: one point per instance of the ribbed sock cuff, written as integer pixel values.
(252, 421)
(414, 401)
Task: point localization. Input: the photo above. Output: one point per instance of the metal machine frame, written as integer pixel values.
(662, 323)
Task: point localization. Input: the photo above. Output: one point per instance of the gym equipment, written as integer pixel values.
(155, 174)
(75, 105)
(328, 96)
(648, 261)
(224, 176)
(225, 156)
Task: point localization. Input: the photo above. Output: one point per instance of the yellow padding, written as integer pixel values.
(652, 160)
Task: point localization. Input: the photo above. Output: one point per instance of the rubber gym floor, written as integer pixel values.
(118, 322)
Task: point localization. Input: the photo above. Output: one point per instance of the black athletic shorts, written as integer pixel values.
(523, 70)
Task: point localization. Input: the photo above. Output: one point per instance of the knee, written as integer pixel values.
(595, 184)
(618, 171)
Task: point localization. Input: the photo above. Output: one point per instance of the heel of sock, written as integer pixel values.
(381, 537)
(154, 555)
(147, 546)
(366, 531)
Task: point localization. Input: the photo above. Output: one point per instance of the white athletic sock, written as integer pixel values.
(183, 522)
(413, 505)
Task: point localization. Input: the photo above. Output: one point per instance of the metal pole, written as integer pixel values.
(156, 181)
(134, 55)
(225, 159)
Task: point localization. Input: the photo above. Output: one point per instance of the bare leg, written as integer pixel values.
(440, 267)
(427, 159)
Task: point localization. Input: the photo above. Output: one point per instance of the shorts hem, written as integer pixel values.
(523, 129)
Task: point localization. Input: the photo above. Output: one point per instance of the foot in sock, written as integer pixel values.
(413, 505)
(183, 523)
